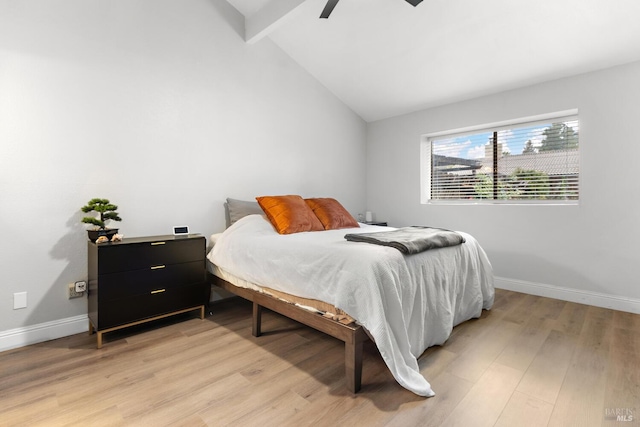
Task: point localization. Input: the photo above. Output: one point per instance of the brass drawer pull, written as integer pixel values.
(157, 267)
(158, 243)
(158, 291)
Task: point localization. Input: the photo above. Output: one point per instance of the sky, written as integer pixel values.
(472, 146)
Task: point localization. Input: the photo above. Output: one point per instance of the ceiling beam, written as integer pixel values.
(267, 19)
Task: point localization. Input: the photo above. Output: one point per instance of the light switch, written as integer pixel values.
(19, 300)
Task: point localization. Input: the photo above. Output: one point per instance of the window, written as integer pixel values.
(528, 161)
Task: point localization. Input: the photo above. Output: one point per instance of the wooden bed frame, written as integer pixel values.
(352, 335)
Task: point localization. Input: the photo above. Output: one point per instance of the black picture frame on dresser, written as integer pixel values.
(142, 279)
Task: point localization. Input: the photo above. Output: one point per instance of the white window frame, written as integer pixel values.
(425, 159)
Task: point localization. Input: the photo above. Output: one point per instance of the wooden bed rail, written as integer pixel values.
(352, 335)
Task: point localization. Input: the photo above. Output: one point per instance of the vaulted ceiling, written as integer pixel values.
(385, 57)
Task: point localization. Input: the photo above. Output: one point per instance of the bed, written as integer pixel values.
(355, 291)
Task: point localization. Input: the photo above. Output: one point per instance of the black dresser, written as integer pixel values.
(145, 278)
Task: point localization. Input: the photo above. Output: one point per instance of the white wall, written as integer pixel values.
(584, 253)
(160, 106)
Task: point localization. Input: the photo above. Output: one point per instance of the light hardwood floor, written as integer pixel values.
(530, 361)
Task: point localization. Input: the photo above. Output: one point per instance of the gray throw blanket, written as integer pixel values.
(410, 240)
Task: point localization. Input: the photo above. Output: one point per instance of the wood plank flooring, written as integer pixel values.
(530, 361)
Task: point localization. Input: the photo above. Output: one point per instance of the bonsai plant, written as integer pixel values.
(107, 211)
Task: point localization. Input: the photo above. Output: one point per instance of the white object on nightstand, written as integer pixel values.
(180, 230)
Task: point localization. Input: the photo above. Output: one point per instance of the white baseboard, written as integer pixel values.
(34, 334)
(597, 299)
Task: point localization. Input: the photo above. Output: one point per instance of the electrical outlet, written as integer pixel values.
(73, 293)
(81, 286)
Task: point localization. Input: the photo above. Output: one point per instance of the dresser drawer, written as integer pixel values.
(144, 281)
(141, 278)
(134, 256)
(139, 307)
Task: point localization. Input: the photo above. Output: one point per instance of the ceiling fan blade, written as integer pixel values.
(329, 8)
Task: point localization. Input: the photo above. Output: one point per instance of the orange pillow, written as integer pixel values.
(331, 213)
(289, 214)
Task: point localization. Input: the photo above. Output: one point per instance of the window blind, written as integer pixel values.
(531, 161)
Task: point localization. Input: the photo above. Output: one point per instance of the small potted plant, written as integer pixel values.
(107, 211)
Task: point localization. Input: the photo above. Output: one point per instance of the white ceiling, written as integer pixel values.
(384, 57)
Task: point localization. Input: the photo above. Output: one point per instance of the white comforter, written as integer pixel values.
(407, 303)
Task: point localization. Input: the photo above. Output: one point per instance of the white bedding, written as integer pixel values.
(406, 303)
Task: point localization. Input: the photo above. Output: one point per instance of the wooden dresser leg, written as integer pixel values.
(99, 335)
(257, 320)
(353, 365)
